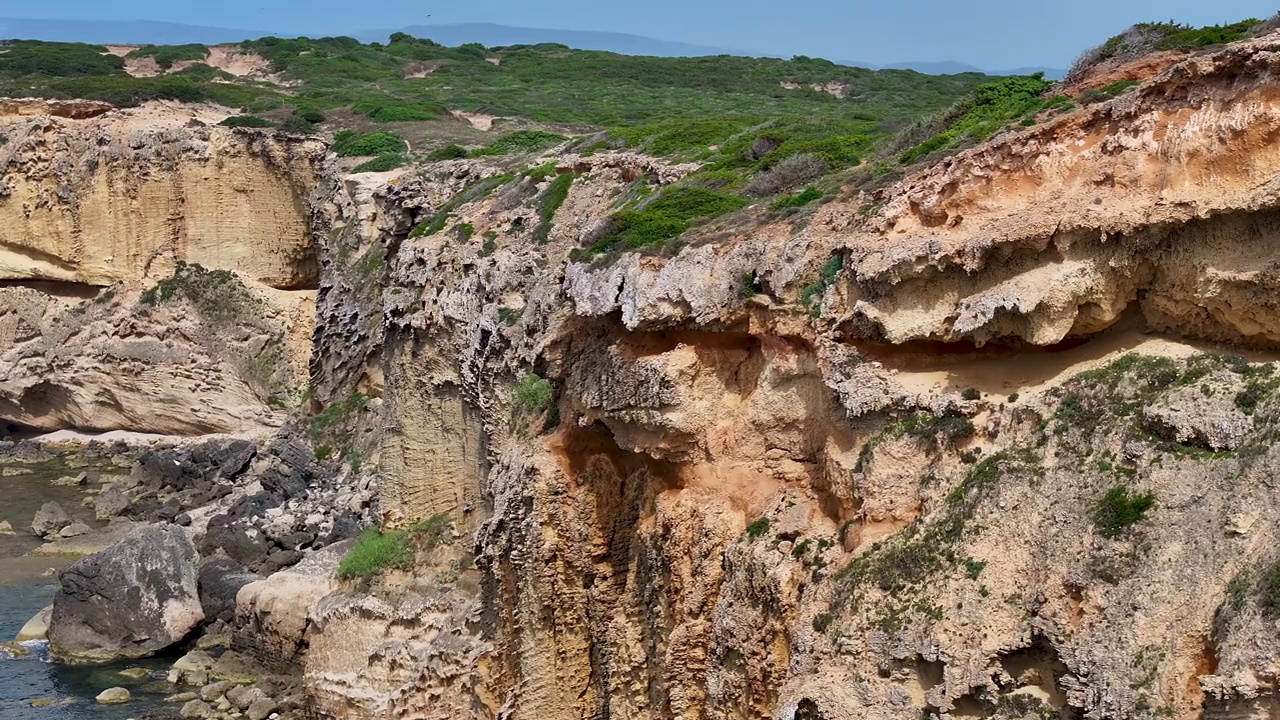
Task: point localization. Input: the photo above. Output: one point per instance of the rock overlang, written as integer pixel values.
(132, 600)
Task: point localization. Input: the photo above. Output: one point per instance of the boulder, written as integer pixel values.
(114, 696)
(198, 709)
(220, 580)
(243, 696)
(245, 545)
(6, 528)
(72, 480)
(191, 669)
(214, 692)
(131, 600)
(50, 520)
(111, 503)
(74, 530)
(272, 615)
(37, 628)
(135, 673)
(260, 709)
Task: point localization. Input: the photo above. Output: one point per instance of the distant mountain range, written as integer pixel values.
(142, 32)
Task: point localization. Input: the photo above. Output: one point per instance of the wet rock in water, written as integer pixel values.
(13, 650)
(220, 579)
(51, 702)
(72, 480)
(74, 530)
(185, 697)
(191, 669)
(6, 528)
(135, 673)
(114, 696)
(37, 628)
(50, 519)
(111, 503)
(131, 600)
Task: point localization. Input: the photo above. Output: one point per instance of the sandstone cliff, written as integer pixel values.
(776, 501)
(97, 198)
(976, 445)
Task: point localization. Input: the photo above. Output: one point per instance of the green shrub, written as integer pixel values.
(376, 552)
(166, 55)
(548, 203)
(522, 141)
(683, 137)
(1117, 510)
(56, 59)
(347, 143)
(759, 528)
(448, 152)
(800, 199)
(531, 396)
(977, 117)
(971, 394)
(666, 217)
(382, 163)
(298, 125)
(390, 110)
(246, 121)
(325, 424)
(218, 295)
(309, 114)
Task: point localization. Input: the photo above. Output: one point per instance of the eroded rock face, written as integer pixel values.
(129, 193)
(132, 600)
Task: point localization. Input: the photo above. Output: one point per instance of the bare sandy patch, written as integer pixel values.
(121, 50)
(479, 121)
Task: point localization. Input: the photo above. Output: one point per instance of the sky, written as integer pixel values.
(991, 34)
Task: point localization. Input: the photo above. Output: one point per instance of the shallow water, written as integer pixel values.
(26, 586)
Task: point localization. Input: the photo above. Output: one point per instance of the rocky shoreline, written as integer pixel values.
(180, 527)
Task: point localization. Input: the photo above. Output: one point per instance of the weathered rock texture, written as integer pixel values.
(128, 193)
(132, 600)
(728, 509)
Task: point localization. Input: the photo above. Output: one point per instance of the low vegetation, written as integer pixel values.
(654, 220)
(1145, 38)
(377, 552)
(348, 143)
(1119, 509)
(218, 295)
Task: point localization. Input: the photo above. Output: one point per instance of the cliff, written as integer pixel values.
(755, 487)
(995, 441)
(124, 194)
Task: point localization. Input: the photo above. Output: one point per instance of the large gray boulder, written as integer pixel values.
(133, 599)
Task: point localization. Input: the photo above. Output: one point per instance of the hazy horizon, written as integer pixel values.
(992, 34)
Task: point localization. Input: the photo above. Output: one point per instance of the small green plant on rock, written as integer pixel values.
(1118, 510)
(376, 552)
(759, 528)
(532, 396)
(218, 295)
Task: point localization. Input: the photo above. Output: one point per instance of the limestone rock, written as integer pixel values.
(71, 480)
(242, 696)
(111, 503)
(135, 673)
(37, 628)
(74, 530)
(50, 520)
(198, 709)
(260, 709)
(114, 696)
(6, 528)
(215, 691)
(132, 600)
(1187, 416)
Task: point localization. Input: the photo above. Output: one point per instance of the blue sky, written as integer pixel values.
(989, 33)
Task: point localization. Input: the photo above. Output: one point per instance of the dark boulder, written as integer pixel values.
(240, 543)
(220, 579)
(132, 600)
